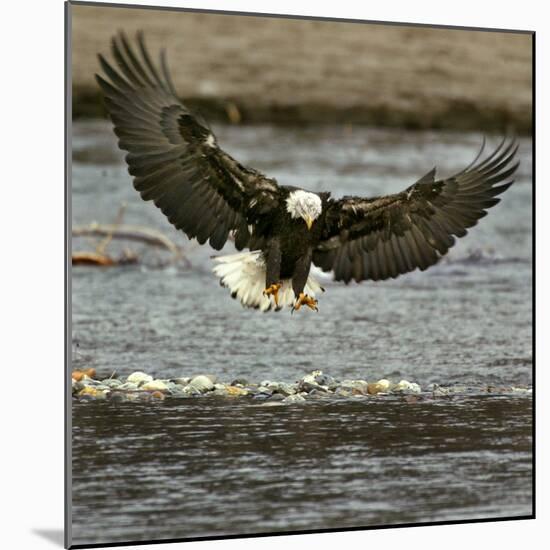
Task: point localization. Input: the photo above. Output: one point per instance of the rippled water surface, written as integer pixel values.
(204, 467)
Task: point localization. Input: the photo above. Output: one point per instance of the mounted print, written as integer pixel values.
(300, 274)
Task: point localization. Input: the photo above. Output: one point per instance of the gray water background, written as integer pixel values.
(200, 467)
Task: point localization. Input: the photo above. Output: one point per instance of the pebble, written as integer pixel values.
(155, 385)
(235, 391)
(385, 384)
(405, 386)
(190, 391)
(373, 388)
(93, 393)
(139, 377)
(201, 383)
(382, 386)
(310, 378)
(287, 389)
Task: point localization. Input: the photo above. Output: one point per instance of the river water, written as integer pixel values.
(200, 467)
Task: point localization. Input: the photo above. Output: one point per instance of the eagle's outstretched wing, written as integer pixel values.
(383, 237)
(174, 157)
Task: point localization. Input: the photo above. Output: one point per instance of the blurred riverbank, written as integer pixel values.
(284, 71)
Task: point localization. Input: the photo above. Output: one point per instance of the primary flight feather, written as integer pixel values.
(176, 162)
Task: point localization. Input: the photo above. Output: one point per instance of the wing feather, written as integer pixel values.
(173, 155)
(384, 237)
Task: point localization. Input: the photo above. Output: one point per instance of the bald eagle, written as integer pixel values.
(176, 162)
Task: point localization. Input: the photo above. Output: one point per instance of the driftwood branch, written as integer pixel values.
(98, 258)
(128, 232)
(108, 232)
(103, 244)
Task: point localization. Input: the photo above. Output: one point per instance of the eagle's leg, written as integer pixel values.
(273, 290)
(305, 300)
(299, 280)
(273, 270)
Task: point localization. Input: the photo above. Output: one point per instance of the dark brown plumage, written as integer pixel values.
(382, 237)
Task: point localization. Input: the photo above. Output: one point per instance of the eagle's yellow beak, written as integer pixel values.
(309, 221)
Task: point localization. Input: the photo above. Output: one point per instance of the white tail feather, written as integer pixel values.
(244, 275)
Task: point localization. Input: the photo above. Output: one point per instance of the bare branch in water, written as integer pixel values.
(116, 230)
(100, 249)
(130, 233)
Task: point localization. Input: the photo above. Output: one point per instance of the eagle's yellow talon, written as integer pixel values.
(305, 300)
(273, 290)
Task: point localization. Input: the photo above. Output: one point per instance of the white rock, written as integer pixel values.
(310, 378)
(139, 377)
(190, 390)
(287, 389)
(154, 385)
(406, 386)
(384, 384)
(201, 383)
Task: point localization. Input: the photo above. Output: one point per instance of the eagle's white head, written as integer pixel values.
(305, 205)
